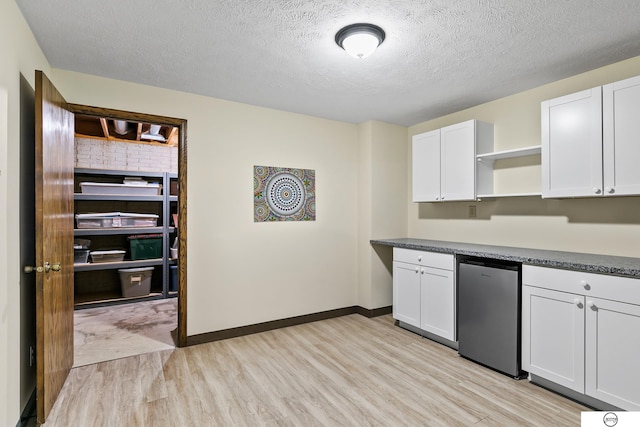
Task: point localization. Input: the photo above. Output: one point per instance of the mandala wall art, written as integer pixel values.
(283, 194)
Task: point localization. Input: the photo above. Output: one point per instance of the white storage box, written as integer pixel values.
(129, 189)
(107, 256)
(116, 220)
(135, 282)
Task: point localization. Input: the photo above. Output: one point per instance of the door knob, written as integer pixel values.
(597, 190)
(47, 267)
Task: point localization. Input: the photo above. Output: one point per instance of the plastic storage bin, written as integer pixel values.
(80, 256)
(135, 282)
(107, 256)
(173, 278)
(116, 220)
(145, 246)
(103, 188)
(81, 251)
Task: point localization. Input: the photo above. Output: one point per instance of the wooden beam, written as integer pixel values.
(105, 127)
(172, 138)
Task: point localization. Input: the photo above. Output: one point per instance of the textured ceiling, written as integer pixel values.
(440, 56)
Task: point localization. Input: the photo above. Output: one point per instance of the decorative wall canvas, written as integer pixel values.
(283, 194)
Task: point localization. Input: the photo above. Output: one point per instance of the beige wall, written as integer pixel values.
(603, 226)
(20, 55)
(382, 192)
(241, 272)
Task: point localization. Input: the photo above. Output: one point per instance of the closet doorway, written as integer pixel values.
(127, 319)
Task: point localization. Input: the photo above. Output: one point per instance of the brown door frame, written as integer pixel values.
(181, 124)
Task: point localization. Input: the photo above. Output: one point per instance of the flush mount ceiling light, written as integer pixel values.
(360, 40)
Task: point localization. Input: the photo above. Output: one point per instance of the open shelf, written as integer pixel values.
(116, 230)
(118, 197)
(508, 154)
(495, 196)
(108, 298)
(94, 266)
(98, 284)
(485, 171)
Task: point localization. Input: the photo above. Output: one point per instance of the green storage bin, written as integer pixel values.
(145, 246)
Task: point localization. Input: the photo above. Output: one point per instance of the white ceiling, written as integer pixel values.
(439, 56)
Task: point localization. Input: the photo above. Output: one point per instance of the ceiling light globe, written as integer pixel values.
(360, 45)
(360, 40)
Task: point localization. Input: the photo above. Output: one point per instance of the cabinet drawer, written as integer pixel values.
(426, 259)
(615, 288)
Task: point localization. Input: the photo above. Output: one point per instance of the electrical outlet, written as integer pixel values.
(472, 211)
(32, 355)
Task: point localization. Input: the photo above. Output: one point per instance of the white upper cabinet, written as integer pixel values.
(590, 142)
(444, 161)
(426, 167)
(458, 161)
(572, 145)
(621, 137)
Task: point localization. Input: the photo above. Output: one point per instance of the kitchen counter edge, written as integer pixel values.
(592, 263)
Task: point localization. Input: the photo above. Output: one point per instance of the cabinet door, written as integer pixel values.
(458, 161)
(621, 127)
(437, 302)
(553, 336)
(426, 167)
(406, 293)
(612, 349)
(572, 145)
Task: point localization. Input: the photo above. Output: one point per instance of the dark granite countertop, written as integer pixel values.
(593, 263)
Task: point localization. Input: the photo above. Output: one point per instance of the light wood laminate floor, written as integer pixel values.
(348, 371)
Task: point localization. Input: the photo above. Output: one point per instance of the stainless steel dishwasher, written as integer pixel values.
(489, 313)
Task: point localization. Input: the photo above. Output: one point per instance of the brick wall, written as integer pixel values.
(105, 154)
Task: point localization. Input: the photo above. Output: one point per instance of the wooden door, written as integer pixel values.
(54, 243)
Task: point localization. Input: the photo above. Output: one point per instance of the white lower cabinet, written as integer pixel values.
(553, 336)
(581, 331)
(437, 301)
(612, 344)
(406, 293)
(424, 291)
